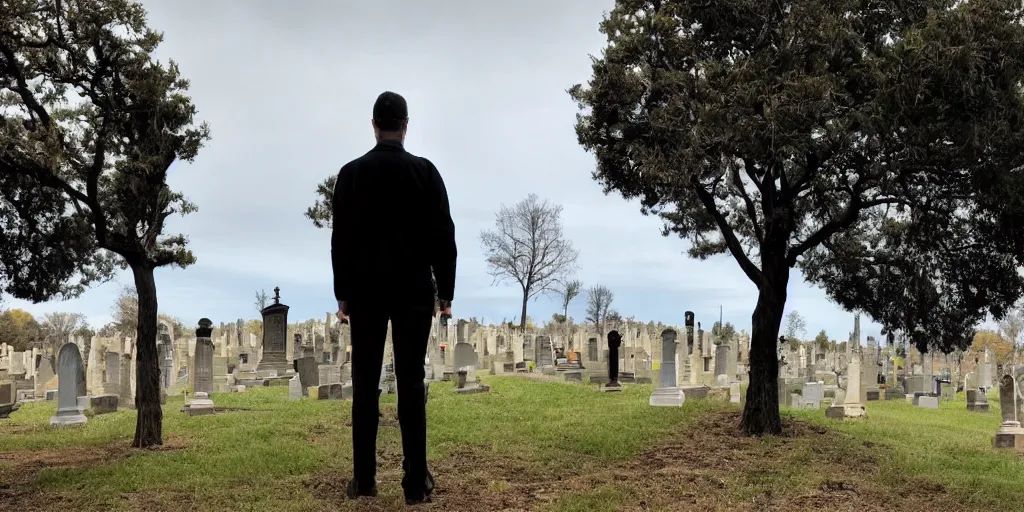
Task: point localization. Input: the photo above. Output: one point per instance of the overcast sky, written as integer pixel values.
(288, 89)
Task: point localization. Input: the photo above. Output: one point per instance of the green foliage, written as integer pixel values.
(19, 329)
(92, 123)
(821, 340)
(722, 334)
(871, 147)
(322, 211)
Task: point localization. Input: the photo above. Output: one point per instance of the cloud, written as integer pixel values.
(287, 89)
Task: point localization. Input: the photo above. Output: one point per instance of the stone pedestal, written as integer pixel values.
(1010, 435)
(199, 405)
(667, 397)
(977, 401)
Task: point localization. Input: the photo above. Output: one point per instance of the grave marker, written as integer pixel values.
(70, 374)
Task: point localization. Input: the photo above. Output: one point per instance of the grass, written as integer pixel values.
(525, 445)
(263, 452)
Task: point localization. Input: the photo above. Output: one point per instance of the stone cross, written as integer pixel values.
(277, 295)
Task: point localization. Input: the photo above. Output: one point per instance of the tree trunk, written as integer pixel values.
(149, 420)
(761, 412)
(522, 318)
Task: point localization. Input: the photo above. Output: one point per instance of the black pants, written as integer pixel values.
(410, 331)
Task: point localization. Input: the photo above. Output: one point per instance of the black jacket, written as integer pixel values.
(392, 227)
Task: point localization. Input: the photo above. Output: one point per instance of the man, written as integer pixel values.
(393, 237)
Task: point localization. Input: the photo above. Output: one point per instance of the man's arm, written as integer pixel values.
(340, 257)
(444, 253)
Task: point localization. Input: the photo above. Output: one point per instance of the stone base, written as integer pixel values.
(610, 387)
(979, 407)
(103, 404)
(447, 376)
(1011, 440)
(872, 395)
(472, 388)
(277, 381)
(667, 397)
(846, 411)
(573, 376)
(696, 392)
(200, 405)
(68, 418)
(599, 379)
(928, 402)
(7, 409)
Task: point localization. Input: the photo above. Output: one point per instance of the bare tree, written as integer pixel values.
(58, 327)
(528, 247)
(568, 290)
(1011, 327)
(261, 300)
(796, 327)
(126, 312)
(599, 302)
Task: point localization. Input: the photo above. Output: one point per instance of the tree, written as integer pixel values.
(527, 246)
(599, 303)
(568, 290)
(829, 136)
(722, 334)
(1001, 348)
(821, 340)
(796, 327)
(19, 329)
(57, 328)
(93, 122)
(322, 211)
(262, 301)
(255, 327)
(1011, 326)
(125, 312)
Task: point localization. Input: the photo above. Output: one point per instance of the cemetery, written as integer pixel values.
(517, 422)
(869, 152)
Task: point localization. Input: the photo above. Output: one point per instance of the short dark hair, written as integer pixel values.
(390, 111)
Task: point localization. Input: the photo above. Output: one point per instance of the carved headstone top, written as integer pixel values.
(1006, 398)
(614, 340)
(205, 328)
(277, 295)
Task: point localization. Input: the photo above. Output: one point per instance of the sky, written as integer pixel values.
(287, 89)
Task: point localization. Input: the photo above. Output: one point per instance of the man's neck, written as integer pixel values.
(390, 141)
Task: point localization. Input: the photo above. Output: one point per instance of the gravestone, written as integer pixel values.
(977, 401)
(542, 354)
(850, 406)
(1010, 434)
(70, 374)
(124, 395)
(722, 361)
(667, 394)
(309, 374)
(275, 339)
(812, 395)
(202, 366)
(112, 384)
(614, 342)
(592, 353)
(465, 356)
(928, 402)
(165, 351)
(8, 398)
(295, 390)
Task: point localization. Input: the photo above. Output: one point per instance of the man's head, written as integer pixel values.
(390, 117)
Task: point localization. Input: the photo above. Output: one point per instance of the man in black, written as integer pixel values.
(393, 238)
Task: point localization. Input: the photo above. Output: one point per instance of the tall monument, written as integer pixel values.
(275, 340)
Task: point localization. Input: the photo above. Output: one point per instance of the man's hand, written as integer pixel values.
(444, 307)
(343, 310)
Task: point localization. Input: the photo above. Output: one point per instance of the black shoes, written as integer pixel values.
(355, 489)
(422, 494)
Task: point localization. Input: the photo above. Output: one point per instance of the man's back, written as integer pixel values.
(392, 226)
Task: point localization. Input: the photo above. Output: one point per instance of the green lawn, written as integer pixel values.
(526, 445)
(261, 455)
